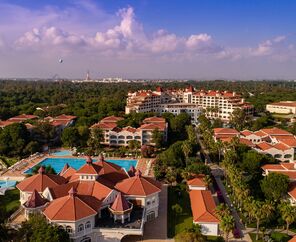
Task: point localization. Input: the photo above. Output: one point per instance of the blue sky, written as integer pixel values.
(231, 39)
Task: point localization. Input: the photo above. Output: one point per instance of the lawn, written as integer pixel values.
(10, 201)
(276, 236)
(178, 222)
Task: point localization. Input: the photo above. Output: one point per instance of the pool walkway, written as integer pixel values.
(16, 172)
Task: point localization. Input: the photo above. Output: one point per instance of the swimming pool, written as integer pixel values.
(62, 153)
(58, 163)
(8, 183)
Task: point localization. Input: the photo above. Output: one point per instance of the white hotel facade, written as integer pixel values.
(216, 104)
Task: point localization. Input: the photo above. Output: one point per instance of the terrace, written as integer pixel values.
(136, 220)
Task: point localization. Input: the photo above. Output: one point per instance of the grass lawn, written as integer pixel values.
(10, 201)
(178, 222)
(276, 236)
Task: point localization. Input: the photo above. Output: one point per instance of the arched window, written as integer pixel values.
(61, 227)
(129, 137)
(69, 229)
(287, 156)
(113, 137)
(120, 137)
(87, 225)
(80, 227)
(277, 156)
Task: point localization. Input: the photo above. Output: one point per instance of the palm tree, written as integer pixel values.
(207, 180)
(260, 210)
(227, 224)
(187, 148)
(288, 213)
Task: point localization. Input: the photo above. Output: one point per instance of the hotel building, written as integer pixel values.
(115, 136)
(215, 104)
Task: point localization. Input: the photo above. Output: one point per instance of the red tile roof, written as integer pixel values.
(260, 133)
(35, 200)
(105, 126)
(154, 120)
(72, 207)
(225, 131)
(198, 180)
(5, 123)
(138, 185)
(288, 141)
(293, 239)
(246, 132)
(264, 146)
(89, 188)
(112, 119)
(292, 189)
(153, 126)
(273, 167)
(65, 117)
(275, 131)
(120, 204)
(22, 117)
(281, 146)
(89, 168)
(40, 181)
(203, 206)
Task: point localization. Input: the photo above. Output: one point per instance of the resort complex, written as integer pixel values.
(97, 202)
(216, 104)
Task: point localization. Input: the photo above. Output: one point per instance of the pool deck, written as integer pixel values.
(16, 172)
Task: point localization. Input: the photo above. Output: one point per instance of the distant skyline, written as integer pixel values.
(225, 39)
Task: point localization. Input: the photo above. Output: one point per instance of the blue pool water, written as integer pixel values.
(76, 163)
(62, 153)
(8, 183)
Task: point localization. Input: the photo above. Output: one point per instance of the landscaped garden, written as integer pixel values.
(275, 236)
(10, 201)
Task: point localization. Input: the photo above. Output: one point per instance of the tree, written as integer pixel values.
(44, 132)
(70, 137)
(252, 161)
(191, 134)
(95, 139)
(13, 139)
(227, 224)
(192, 234)
(260, 210)
(238, 119)
(217, 123)
(36, 229)
(157, 138)
(48, 169)
(288, 213)
(32, 147)
(177, 208)
(274, 186)
(187, 148)
(198, 168)
(147, 151)
(134, 145)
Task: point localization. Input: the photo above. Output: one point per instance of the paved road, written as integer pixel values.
(217, 172)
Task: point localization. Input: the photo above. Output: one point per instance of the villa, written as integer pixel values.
(203, 206)
(115, 136)
(98, 202)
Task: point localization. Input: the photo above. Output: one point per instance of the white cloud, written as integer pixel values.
(279, 39)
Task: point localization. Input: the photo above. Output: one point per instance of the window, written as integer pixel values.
(148, 202)
(69, 229)
(80, 228)
(277, 156)
(87, 225)
(120, 137)
(287, 156)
